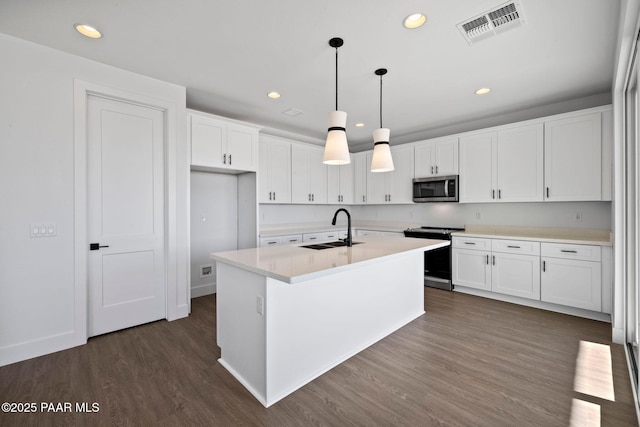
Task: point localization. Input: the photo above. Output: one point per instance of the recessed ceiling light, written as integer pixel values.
(414, 20)
(359, 125)
(483, 91)
(273, 95)
(88, 31)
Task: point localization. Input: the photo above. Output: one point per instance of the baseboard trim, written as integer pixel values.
(202, 290)
(39, 347)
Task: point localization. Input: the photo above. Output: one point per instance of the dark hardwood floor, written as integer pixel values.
(468, 361)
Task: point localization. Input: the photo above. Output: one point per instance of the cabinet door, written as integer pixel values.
(300, 191)
(346, 184)
(340, 184)
(446, 157)
(399, 182)
(208, 137)
(573, 156)
(515, 274)
(241, 148)
(471, 268)
(376, 184)
(520, 164)
(476, 171)
(572, 282)
(360, 168)
(275, 171)
(424, 162)
(317, 176)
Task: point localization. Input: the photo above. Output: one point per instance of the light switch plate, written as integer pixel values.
(43, 230)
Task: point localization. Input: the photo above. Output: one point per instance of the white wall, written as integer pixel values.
(214, 224)
(559, 214)
(38, 288)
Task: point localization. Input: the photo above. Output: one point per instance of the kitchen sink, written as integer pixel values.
(328, 245)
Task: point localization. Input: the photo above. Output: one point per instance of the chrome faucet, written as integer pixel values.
(348, 240)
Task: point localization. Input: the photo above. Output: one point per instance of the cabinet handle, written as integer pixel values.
(431, 170)
(469, 243)
(513, 246)
(499, 194)
(309, 197)
(547, 192)
(224, 159)
(274, 195)
(229, 158)
(487, 259)
(269, 195)
(293, 240)
(363, 198)
(313, 197)
(436, 168)
(493, 259)
(271, 243)
(567, 251)
(493, 194)
(544, 266)
(389, 197)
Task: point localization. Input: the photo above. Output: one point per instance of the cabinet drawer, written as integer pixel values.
(516, 247)
(569, 251)
(291, 239)
(471, 243)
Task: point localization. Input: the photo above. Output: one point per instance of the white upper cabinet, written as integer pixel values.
(573, 158)
(476, 168)
(360, 170)
(437, 157)
(308, 175)
(502, 166)
(340, 184)
(519, 164)
(274, 175)
(220, 143)
(395, 186)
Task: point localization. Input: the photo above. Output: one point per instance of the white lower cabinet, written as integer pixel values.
(565, 274)
(471, 268)
(289, 239)
(572, 275)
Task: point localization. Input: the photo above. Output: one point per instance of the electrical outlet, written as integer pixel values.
(578, 216)
(206, 270)
(260, 305)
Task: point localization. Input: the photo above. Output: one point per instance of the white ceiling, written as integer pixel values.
(229, 54)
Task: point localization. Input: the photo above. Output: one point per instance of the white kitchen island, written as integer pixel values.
(287, 314)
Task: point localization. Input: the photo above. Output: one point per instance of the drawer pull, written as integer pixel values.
(487, 259)
(469, 243)
(513, 246)
(544, 266)
(493, 257)
(567, 251)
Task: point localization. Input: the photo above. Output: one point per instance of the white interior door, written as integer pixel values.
(125, 215)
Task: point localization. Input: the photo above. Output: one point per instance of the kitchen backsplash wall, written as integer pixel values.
(561, 214)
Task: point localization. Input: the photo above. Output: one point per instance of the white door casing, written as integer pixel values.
(125, 209)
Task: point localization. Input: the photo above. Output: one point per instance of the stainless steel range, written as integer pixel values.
(437, 263)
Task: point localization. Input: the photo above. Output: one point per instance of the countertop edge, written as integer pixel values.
(533, 238)
(324, 272)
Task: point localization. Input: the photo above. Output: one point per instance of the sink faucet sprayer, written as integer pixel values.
(348, 240)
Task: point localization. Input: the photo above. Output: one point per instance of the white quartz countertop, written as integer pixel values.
(294, 264)
(542, 234)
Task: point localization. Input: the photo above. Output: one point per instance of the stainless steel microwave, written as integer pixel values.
(436, 189)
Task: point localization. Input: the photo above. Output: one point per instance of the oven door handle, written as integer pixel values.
(446, 188)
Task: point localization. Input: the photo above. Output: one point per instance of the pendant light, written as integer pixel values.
(381, 161)
(336, 149)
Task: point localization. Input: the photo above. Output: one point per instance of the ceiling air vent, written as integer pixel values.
(502, 18)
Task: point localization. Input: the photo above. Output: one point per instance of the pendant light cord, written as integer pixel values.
(336, 79)
(380, 101)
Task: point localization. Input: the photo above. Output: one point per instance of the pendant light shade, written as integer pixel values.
(336, 149)
(381, 160)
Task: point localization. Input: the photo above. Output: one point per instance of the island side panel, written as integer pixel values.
(240, 328)
(315, 325)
